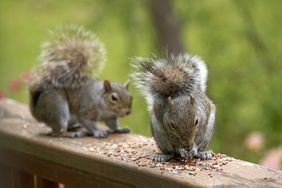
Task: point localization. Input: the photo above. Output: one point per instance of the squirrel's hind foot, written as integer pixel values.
(162, 158)
(78, 134)
(205, 155)
(99, 134)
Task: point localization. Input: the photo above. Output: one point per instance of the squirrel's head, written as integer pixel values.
(117, 98)
(182, 120)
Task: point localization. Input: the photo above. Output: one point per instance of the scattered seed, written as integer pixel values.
(192, 173)
(140, 152)
(91, 149)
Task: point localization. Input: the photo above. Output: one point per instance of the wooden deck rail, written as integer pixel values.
(29, 158)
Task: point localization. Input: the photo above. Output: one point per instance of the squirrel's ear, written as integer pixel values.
(126, 84)
(170, 102)
(107, 86)
(192, 99)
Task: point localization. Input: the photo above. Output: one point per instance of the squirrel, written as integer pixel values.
(182, 116)
(64, 94)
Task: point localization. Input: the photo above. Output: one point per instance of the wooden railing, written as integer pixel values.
(29, 158)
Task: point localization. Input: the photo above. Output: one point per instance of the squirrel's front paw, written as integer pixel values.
(162, 158)
(100, 134)
(205, 154)
(188, 153)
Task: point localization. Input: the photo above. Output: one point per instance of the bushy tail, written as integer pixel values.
(172, 76)
(68, 59)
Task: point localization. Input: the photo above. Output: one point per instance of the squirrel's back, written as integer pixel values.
(170, 77)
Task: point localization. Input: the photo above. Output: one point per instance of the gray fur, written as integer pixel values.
(63, 93)
(182, 116)
(87, 106)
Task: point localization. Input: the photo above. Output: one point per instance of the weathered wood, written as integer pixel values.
(53, 171)
(5, 176)
(77, 162)
(45, 183)
(22, 179)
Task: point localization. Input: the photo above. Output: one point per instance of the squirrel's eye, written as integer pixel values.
(173, 126)
(196, 122)
(114, 97)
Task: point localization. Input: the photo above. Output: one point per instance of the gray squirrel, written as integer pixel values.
(182, 116)
(64, 94)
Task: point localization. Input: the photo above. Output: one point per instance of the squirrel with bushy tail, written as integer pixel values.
(182, 116)
(63, 93)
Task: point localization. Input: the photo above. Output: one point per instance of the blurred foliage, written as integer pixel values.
(241, 42)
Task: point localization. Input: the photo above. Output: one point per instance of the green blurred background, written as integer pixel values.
(241, 41)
